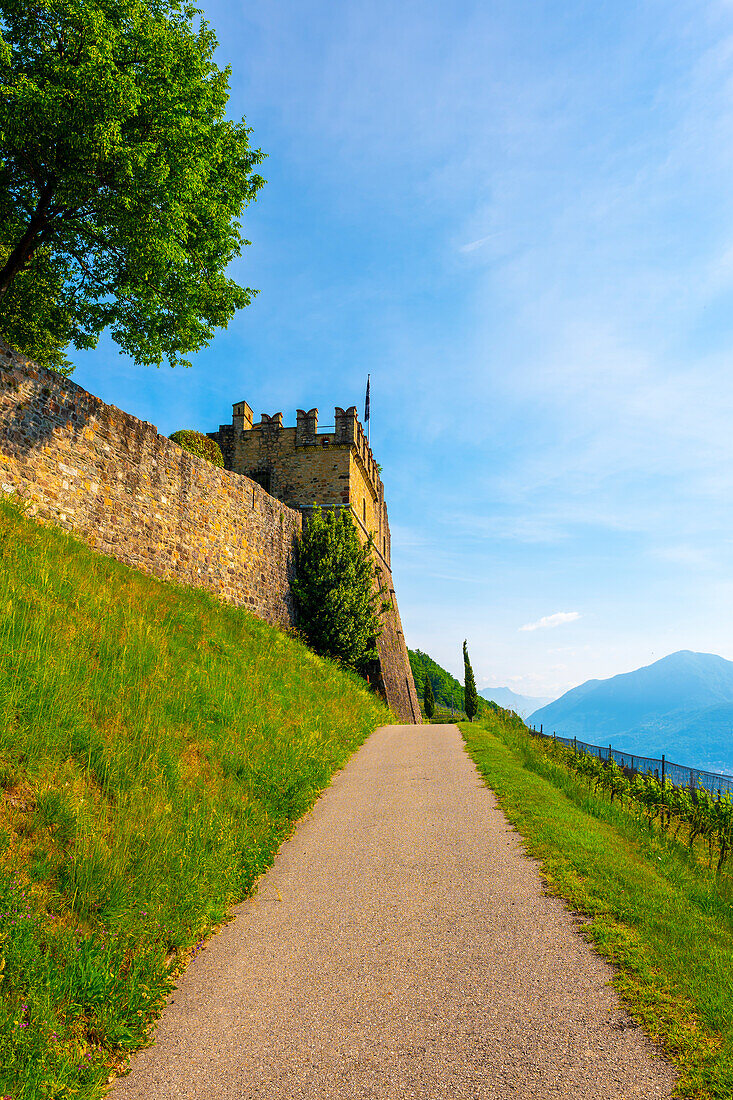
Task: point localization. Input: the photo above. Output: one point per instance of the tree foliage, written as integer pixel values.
(428, 697)
(469, 688)
(121, 179)
(446, 688)
(34, 317)
(196, 443)
(338, 599)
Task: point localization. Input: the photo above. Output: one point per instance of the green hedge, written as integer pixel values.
(199, 444)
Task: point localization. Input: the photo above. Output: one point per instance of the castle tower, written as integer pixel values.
(332, 467)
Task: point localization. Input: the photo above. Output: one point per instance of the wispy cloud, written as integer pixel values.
(473, 245)
(552, 620)
(692, 557)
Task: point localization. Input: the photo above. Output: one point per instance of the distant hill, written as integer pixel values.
(446, 689)
(681, 706)
(523, 705)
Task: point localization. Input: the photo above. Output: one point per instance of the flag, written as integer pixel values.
(366, 403)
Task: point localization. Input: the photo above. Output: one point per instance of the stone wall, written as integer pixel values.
(394, 663)
(131, 493)
(297, 474)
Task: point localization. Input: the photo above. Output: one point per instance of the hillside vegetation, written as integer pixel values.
(448, 691)
(156, 747)
(652, 904)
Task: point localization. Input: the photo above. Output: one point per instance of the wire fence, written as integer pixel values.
(678, 774)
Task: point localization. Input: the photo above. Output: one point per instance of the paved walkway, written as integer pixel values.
(400, 947)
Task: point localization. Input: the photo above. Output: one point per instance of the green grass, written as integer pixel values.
(664, 921)
(156, 747)
(443, 716)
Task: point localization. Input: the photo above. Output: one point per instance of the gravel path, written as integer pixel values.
(401, 946)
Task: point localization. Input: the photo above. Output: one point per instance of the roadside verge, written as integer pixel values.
(666, 924)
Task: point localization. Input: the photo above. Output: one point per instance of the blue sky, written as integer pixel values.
(519, 218)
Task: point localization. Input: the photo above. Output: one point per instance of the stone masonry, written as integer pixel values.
(129, 492)
(333, 468)
(303, 466)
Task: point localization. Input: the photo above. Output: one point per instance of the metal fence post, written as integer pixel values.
(575, 745)
(662, 768)
(610, 757)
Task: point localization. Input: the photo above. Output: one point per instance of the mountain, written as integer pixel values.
(523, 705)
(681, 706)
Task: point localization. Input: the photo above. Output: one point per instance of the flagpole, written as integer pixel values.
(368, 412)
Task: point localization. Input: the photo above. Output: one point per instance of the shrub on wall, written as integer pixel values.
(199, 444)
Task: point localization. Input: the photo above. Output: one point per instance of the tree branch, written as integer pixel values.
(30, 240)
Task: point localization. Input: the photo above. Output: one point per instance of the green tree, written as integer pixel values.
(470, 693)
(121, 179)
(338, 597)
(428, 698)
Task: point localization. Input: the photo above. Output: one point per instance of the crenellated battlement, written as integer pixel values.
(307, 427)
(306, 465)
(346, 430)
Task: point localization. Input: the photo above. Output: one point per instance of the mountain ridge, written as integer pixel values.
(680, 705)
(523, 705)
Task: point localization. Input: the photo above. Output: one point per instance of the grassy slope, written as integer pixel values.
(155, 749)
(663, 920)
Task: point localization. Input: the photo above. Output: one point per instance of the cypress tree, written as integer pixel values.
(471, 695)
(428, 697)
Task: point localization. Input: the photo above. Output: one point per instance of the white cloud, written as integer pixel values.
(552, 620)
(692, 557)
(473, 245)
